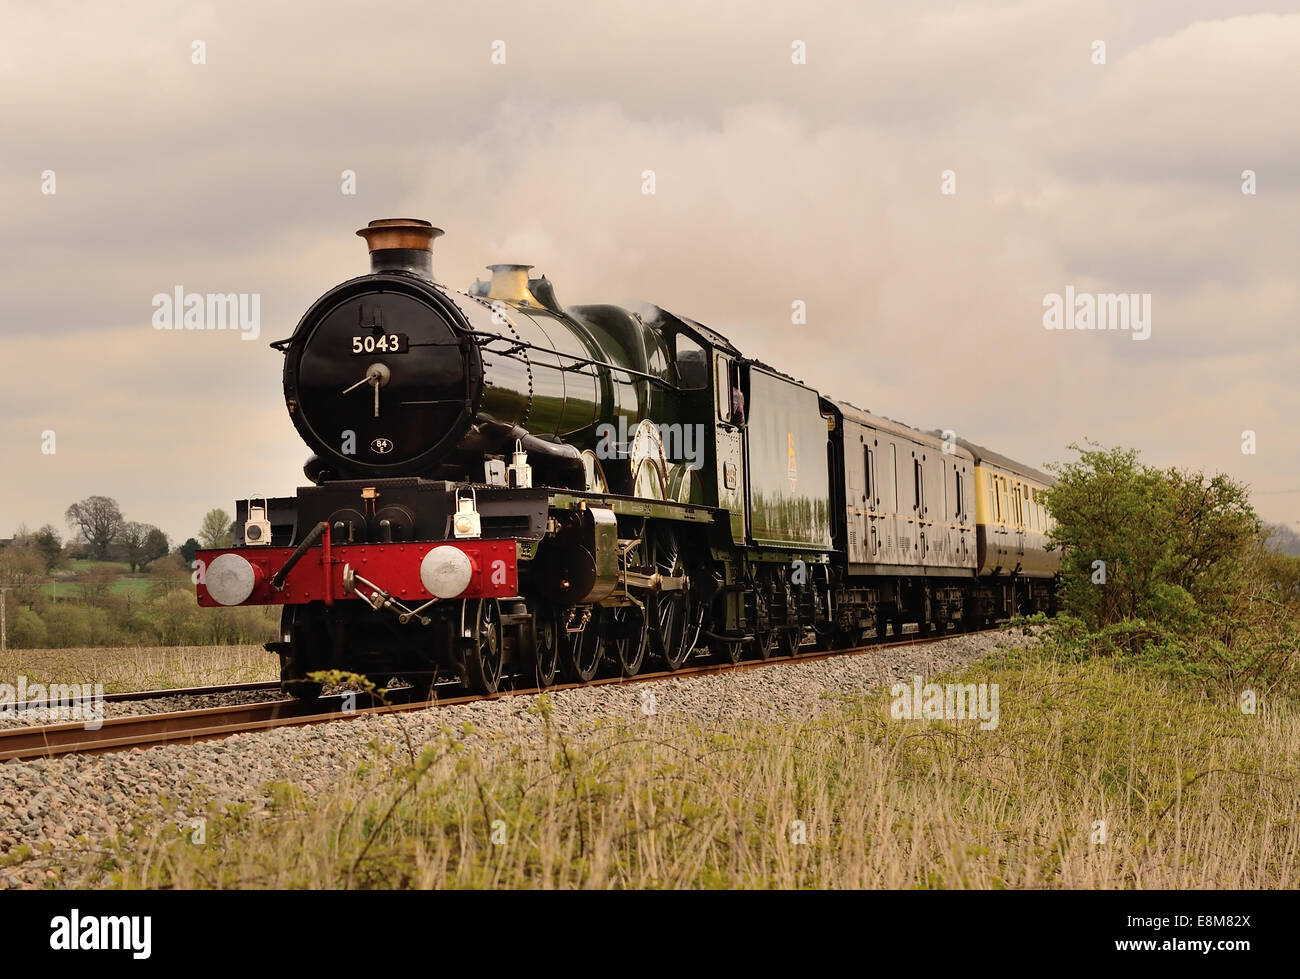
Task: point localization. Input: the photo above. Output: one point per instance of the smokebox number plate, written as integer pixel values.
(387, 343)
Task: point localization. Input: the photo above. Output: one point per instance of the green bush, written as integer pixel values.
(67, 625)
(1178, 546)
(1188, 587)
(26, 630)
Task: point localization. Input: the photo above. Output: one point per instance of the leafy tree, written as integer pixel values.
(1177, 546)
(98, 519)
(176, 618)
(171, 572)
(132, 537)
(23, 570)
(96, 584)
(188, 550)
(156, 546)
(1280, 574)
(217, 529)
(26, 630)
(67, 625)
(142, 543)
(49, 544)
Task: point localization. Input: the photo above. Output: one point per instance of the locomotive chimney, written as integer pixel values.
(401, 245)
(510, 283)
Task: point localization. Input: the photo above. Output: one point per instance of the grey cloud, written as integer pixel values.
(775, 182)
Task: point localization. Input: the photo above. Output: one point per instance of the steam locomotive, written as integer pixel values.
(504, 489)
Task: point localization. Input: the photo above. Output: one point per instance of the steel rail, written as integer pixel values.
(188, 727)
(115, 698)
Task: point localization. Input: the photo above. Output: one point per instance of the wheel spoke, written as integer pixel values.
(546, 651)
(675, 632)
(485, 655)
(584, 650)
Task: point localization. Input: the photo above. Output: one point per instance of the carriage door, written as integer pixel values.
(872, 501)
(1022, 515)
(960, 510)
(998, 516)
(731, 469)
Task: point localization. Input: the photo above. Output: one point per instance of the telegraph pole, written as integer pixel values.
(4, 639)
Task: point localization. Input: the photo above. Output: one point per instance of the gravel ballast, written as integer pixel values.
(96, 796)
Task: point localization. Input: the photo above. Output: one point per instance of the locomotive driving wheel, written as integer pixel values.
(584, 650)
(546, 648)
(485, 657)
(675, 623)
(626, 628)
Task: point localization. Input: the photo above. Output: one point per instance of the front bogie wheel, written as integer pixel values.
(297, 634)
(485, 656)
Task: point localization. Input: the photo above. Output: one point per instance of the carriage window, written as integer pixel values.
(866, 465)
(961, 507)
(692, 364)
(893, 465)
(916, 475)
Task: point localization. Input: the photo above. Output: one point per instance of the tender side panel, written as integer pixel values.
(789, 488)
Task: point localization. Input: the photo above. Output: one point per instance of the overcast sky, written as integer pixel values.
(775, 182)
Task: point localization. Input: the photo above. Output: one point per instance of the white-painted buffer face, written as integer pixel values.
(446, 571)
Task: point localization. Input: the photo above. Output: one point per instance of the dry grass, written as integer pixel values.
(1193, 793)
(128, 668)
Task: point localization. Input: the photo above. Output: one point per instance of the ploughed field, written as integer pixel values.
(130, 668)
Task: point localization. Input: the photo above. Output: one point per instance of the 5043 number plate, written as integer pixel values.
(385, 343)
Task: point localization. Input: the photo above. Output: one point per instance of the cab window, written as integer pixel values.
(730, 399)
(692, 364)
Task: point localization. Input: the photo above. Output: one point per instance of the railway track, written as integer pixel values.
(191, 726)
(118, 698)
